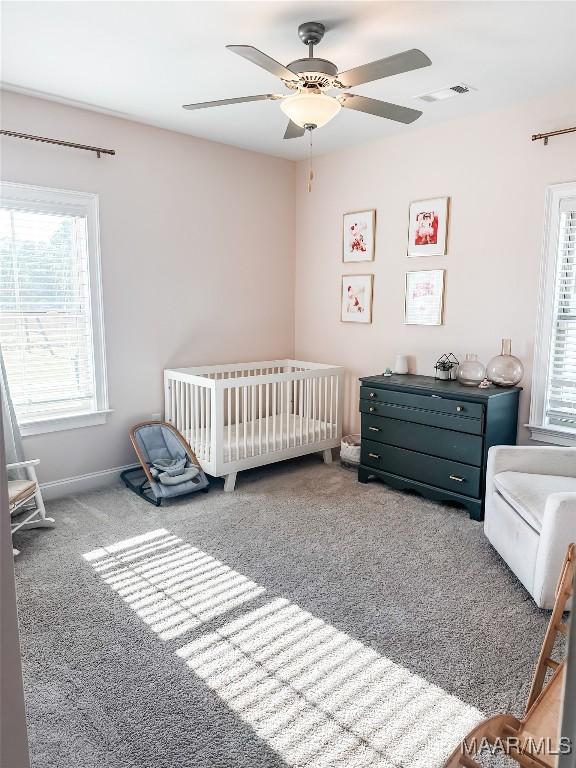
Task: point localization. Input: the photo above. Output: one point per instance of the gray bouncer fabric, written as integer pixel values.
(174, 474)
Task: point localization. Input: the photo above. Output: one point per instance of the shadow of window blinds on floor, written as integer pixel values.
(318, 697)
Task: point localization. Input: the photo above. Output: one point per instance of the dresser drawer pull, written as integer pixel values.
(371, 409)
(372, 394)
(458, 479)
(459, 408)
(373, 455)
(374, 429)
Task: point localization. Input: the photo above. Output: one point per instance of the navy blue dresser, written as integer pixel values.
(431, 436)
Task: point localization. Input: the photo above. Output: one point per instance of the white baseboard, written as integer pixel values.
(56, 489)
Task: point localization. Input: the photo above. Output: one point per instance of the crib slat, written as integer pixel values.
(287, 399)
(206, 415)
(174, 403)
(201, 392)
(244, 417)
(306, 408)
(228, 422)
(180, 406)
(182, 419)
(324, 407)
(291, 418)
(252, 418)
(318, 409)
(267, 393)
(186, 415)
(194, 429)
(259, 419)
(320, 404)
(331, 407)
(237, 426)
(280, 404)
(209, 426)
(183, 393)
(181, 415)
(292, 414)
(338, 424)
(283, 415)
(274, 404)
(300, 407)
(314, 409)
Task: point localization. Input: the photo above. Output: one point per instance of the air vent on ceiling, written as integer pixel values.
(446, 93)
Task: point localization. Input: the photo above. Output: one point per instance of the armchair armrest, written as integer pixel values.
(19, 464)
(545, 460)
(28, 467)
(558, 532)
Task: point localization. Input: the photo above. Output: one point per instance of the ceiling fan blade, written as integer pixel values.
(380, 108)
(391, 65)
(223, 102)
(293, 131)
(264, 61)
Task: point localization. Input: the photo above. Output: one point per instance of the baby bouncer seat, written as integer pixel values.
(169, 467)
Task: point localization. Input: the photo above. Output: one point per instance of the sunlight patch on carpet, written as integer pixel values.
(172, 586)
(318, 697)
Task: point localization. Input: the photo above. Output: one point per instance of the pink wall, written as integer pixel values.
(495, 177)
(197, 243)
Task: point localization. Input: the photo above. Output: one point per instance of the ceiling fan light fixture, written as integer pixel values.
(306, 109)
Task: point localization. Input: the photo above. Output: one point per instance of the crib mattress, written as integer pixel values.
(255, 438)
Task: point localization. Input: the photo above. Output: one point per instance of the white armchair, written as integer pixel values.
(530, 513)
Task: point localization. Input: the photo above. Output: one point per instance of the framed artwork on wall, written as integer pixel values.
(428, 227)
(358, 231)
(357, 298)
(424, 297)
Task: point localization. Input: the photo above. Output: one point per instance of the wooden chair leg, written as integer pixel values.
(486, 732)
(563, 593)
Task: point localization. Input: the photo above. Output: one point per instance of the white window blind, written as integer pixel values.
(49, 330)
(560, 406)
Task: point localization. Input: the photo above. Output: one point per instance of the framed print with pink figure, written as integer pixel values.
(357, 298)
(428, 227)
(358, 231)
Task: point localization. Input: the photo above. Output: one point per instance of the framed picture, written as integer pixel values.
(358, 230)
(357, 298)
(428, 227)
(424, 297)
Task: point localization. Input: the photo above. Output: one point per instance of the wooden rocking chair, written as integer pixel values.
(521, 739)
(24, 492)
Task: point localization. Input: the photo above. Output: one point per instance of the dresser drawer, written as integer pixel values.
(443, 443)
(442, 473)
(418, 416)
(426, 402)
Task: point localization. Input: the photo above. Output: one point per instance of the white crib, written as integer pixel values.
(248, 414)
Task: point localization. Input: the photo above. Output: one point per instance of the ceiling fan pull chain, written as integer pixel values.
(310, 171)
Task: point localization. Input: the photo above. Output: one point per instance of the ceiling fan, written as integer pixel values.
(310, 106)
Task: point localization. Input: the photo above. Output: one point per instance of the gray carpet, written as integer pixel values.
(305, 620)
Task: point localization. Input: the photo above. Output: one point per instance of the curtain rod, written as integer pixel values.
(99, 150)
(546, 136)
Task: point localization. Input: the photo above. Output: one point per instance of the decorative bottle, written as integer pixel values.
(471, 372)
(505, 370)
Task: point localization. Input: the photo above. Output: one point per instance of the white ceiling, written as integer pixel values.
(145, 59)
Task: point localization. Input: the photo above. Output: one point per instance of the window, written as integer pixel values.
(50, 307)
(553, 406)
